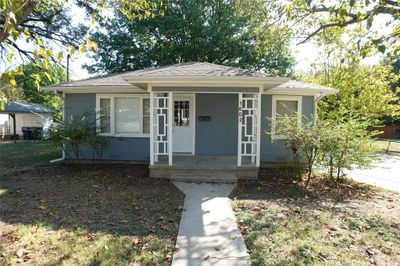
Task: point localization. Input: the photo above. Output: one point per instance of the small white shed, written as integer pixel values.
(17, 115)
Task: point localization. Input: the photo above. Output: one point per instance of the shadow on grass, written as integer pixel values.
(327, 223)
(280, 185)
(118, 199)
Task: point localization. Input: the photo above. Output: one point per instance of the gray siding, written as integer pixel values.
(77, 104)
(218, 136)
(276, 151)
(215, 137)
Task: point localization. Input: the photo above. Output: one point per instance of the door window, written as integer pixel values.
(181, 113)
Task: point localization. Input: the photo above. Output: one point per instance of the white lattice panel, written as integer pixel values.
(248, 126)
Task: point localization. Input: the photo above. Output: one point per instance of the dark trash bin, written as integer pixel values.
(25, 133)
(35, 133)
(32, 133)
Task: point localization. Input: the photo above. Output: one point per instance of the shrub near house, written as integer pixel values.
(335, 145)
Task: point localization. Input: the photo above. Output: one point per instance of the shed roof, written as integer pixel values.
(19, 107)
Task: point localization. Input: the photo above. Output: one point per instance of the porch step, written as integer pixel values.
(204, 176)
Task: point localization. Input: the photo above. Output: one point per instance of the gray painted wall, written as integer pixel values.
(215, 137)
(218, 136)
(119, 148)
(275, 151)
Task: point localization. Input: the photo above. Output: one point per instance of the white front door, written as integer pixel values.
(183, 128)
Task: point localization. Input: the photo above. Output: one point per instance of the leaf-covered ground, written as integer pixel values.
(327, 223)
(87, 215)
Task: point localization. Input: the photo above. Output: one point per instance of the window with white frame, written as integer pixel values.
(123, 115)
(285, 106)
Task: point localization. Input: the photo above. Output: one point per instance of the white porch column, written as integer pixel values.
(151, 128)
(258, 129)
(239, 150)
(170, 126)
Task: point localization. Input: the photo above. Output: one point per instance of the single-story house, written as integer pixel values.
(191, 115)
(18, 115)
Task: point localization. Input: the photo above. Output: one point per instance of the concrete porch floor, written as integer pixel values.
(204, 169)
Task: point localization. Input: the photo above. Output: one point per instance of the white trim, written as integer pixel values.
(63, 119)
(194, 125)
(276, 98)
(151, 128)
(239, 117)
(170, 126)
(192, 99)
(298, 92)
(112, 114)
(259, 99)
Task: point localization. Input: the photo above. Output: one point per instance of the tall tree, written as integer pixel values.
(33, 77)
(316, 17)
(31, 29)
(365, 92)
(233, 32)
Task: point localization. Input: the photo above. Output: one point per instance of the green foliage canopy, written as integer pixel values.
(316, 17)
(235, 33)
(365, 92)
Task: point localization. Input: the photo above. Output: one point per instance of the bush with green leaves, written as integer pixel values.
(335, 145)
(344, 145)
(75, 132)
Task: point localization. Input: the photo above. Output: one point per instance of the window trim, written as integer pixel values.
(112, 115)
(276, 98)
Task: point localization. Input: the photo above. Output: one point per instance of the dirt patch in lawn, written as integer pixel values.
(327, 223)
(87, 215)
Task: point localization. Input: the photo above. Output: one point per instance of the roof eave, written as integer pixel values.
(322, 92)
(92, 88)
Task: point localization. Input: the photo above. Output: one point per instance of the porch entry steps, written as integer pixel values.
(218, 169)
(204, 176)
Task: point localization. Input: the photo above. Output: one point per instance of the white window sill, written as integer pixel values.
(126, 135)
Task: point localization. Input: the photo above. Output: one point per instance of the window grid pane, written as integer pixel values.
(181, 113)
(127, 111)
(285, 108)
(104, 113)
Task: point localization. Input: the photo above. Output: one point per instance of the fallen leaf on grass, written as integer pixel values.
(22, 252)
(370, 252)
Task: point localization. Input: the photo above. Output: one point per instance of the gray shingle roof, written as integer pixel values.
(196, 69)
(110, 80)
(295, 85)
(178, 70)
(19, 107)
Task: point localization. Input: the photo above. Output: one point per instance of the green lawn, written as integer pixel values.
(382, 145)
(285, 223)
(83, 214)
(24, 154)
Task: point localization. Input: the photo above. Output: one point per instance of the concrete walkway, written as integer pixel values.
(384, 173)
(208, 233)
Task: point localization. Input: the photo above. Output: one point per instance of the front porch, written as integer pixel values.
(209, 130)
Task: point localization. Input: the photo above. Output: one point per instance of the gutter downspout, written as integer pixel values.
(63, 115)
